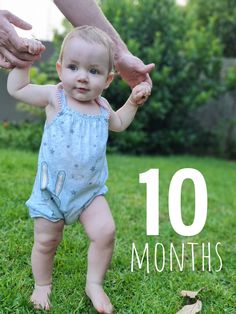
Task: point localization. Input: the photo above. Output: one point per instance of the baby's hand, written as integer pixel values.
(140, 93)
(35, 47)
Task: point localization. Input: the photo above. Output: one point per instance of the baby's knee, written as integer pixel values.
(47, 244)
(106, 234)
(110, 232)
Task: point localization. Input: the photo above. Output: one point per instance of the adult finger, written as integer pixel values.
(140, 78)
(148, 80)
(143, 74)
(150, 67)
(13, 60)
(4, 63)
(15, 20)
(24, 56)
(147, 68)
(17, 42)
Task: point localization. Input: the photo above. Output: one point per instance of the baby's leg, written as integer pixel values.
(100, 228)
(47, 236)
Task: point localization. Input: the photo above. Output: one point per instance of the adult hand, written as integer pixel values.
(133, 70)
(13, 50)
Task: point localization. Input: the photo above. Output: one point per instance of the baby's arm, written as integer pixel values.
(121, 119)
(18, 84)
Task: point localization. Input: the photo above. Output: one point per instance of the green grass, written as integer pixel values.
(131, 292)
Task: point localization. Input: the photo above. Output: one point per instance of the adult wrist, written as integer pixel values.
(121, 49)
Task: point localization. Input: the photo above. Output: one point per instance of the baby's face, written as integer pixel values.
(84, 69)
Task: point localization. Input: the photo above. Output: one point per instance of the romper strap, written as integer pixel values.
(104, 105)
(60, 97)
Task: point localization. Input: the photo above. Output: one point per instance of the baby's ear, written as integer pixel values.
(110, 78)
(58, 67)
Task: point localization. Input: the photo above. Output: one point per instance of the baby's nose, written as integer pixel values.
(82, 75)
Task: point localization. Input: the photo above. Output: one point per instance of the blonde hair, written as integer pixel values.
(91, 34)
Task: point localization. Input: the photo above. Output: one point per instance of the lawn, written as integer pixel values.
(134, 292)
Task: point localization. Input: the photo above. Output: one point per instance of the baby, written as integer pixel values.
(72, 166)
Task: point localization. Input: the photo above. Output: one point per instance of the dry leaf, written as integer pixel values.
(191, 309)
(190, 294)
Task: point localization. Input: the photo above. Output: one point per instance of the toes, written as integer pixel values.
(105, 309)
(99, 299)
(45, 307)
(40, 297)
(40, 305)
(108, 309)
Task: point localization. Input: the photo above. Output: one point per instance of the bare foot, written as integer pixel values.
(99, 298)
(40, 297)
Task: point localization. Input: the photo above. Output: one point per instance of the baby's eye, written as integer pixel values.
(94, 71)
(72, 67)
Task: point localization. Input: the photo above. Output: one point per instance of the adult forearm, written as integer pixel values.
(87, 12)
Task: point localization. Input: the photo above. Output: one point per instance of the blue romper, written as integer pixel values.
(72, 165)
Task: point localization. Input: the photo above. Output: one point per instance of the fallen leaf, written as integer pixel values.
(190, 294)
(191, 309)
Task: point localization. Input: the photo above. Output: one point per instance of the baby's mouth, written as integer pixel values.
(82, 90)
